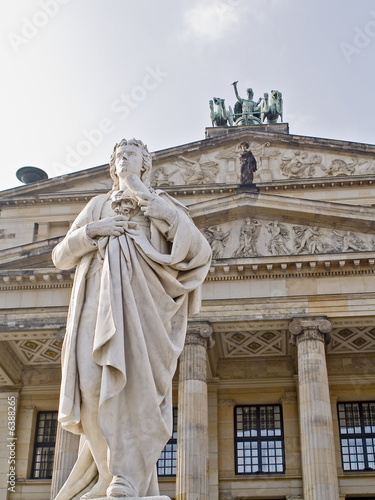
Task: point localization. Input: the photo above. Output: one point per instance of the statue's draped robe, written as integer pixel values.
(148, 282)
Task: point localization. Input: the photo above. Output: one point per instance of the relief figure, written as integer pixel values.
(249, 235)
(279, 235)
(217, 240)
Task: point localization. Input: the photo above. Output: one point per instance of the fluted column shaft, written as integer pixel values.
(192, 428)
(319, 469)
(66, 452)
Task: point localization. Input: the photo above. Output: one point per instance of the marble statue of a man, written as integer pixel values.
(140, 263)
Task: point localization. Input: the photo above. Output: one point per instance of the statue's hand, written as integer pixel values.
(155, 207)
(235, 83)
(110, 226)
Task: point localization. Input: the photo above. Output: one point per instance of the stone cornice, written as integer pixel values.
(279, 186)
(48, 199)
(232, 269)
(35, 279)
(317, 183)
(292, 266)
(254, 268)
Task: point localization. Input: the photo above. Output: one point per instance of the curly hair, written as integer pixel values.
(146, 161)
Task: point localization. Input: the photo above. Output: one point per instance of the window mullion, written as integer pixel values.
(363, 435)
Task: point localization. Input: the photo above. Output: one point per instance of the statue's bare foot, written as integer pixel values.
(120, 487)
(98, 490)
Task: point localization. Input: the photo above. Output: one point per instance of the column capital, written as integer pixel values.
(310, 328)
(199, 333)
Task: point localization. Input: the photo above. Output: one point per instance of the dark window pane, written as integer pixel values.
(166, 465)
(45, 437)
(357, 435)
(259, 439)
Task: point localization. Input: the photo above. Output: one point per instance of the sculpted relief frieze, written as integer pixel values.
(223, 166)
(259, 238)
(187, 171)
(301, 164)
(219, 167)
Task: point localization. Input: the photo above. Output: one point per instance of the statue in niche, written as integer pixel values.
(248, 164)
(347, 241)
(217, 240)
(271, 109)
(246, 111)
(279, 235)
(203, 171)
(300, 164)
(308, 240)
(132, 246)
(220, 116)
(249, 235)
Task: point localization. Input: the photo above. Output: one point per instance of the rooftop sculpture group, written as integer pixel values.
(247, 111)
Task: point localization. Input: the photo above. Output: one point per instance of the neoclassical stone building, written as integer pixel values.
(275, 391)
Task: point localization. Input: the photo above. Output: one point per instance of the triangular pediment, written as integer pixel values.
(260, 225)
(281, 158)
(35, 255)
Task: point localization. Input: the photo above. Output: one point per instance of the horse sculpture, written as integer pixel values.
(220, 116)
(272, 109)
(246, 110)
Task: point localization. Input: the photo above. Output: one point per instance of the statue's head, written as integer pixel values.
(146, 161)
(250, 93)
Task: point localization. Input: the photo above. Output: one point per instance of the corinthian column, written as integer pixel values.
(66, 452)
(317, 444)
(192, 429)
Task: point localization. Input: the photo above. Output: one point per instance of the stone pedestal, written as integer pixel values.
(319, 469)
(66, 452)
(192, 429)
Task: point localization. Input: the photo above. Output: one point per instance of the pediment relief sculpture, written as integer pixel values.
(185, 171)
(302, 164)
(249, 235)
(261, 238)
(217, 239)
(223, 165)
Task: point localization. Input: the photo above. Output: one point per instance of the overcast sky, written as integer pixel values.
(79, 75)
